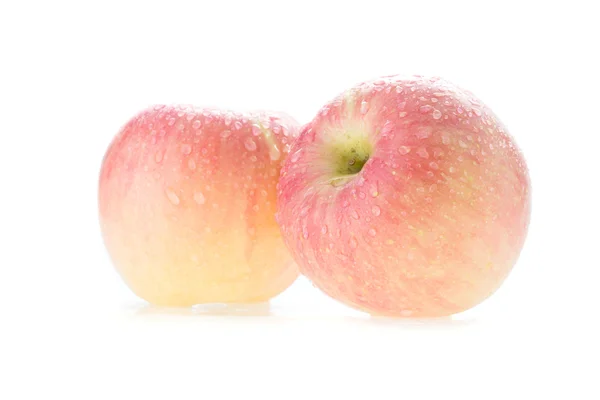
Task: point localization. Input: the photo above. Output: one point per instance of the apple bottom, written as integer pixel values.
(411, 272)
(180, 267)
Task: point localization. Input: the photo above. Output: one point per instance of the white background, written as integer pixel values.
(71, 73)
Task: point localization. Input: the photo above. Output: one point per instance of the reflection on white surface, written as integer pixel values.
(216, 309)
(281, 312)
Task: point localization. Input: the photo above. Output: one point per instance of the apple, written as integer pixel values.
(405, 196)
(187, 201)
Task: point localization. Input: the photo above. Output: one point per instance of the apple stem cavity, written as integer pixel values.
(350, 152)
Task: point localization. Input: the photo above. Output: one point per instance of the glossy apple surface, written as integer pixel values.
(405, 196)
(187, 200)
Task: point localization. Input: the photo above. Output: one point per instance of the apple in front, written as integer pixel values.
(405, 196)
(187, 202)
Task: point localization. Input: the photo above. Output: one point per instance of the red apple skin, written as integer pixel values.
(435, 220)
(187, 201)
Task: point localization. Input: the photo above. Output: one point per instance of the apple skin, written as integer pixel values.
(187, 203)
(433, 222)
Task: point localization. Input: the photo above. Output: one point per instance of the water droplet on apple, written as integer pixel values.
(376, 211)
(404, 150)
(250, 144)
(364, 107)
(274, 153)
(434, 165)
(237, 125)
(354, 214)
(423, 132)
(437, 114)
(171, 121)
(305, 232)
(196, 124)
(324, 229)
(361, 195)
(402, 114)
(173, 198)
(462, 144)
(294, 157)
(225, 134)
(425, 109)
(186, 148)
(374, 190)
(353, 243)
(199, 198)
(372, 232)
(422, 152)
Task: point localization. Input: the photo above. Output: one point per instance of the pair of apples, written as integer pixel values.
(404, 196)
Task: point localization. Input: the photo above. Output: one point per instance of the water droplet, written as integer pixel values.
(477, 112)
(274, 153)
(422, 152)
(255, 208)
(353, 243)
(173, 198)
(491, 146)
(432, 188)
(423, 132)
(374, 191)
(250, 144)
(437, 114)
(404, 150)
(171, 121)
(227, 119)
(445, 140)
(460, 110)
(361, 195)
(294, 157)
(363, 107)
(199, 198)
(434, 165)
(196, 124)
(354, 214)
(372, 232)
(324, 229)
(402, 114)
(462, 144)
(376, 211)
(345, 203)
(158, 157)
(225, 134)
(191, 164)
(305, 232)
(186, 148)
(237, 125)
(425, 109)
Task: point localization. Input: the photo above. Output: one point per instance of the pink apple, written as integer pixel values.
(187, 203)
(405, 196)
